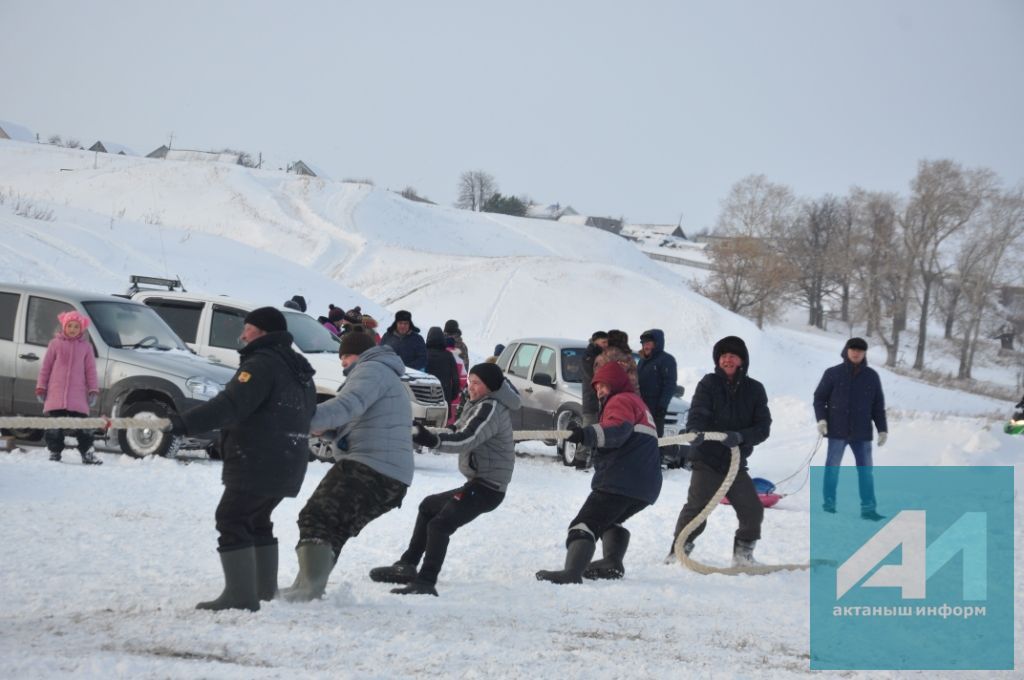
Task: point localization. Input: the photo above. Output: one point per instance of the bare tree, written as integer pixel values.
(476, 187)
(980, 262)
(810, 244)
(756, 207)
(750, 277)
(943, 199)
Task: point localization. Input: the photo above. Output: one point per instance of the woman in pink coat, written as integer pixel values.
(453, 408)
(67, 385)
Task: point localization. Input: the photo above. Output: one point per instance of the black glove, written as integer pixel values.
(425, 437)
(177, 427)
(576, 436)
(698, 438)
(732, 439)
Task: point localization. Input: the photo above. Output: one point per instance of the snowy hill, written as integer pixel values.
(110, 591)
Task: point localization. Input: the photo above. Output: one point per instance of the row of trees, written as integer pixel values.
(478, 191)
(875, 258)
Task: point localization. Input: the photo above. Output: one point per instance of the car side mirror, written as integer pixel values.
(543, 379)
(680, 391)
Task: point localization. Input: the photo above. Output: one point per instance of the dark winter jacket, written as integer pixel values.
(721, 405)
(626, 461)
(372, 415)
(263, 415)
(656, 375)
(410, 347)
(849, 398)
(590, 402)
(483, 438)
(441, 363)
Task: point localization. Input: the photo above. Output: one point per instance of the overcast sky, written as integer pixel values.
(648, 110)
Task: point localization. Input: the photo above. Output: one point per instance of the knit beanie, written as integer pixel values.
(356, 341)
(73, 315)
(267, 319)
(490, 375)
(857, 343)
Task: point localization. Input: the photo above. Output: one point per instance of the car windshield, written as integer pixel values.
(132, 326)
(572, 364)
(310, 335)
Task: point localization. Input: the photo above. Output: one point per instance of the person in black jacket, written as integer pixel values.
(656, 375)
(441, 363)
(847, 400)
(263, 415)
(591, 405)
(731, 402)
(404, 337)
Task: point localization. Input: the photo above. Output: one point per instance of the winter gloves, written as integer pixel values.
(822, 428)
(425, 437)
(732, 439)
(882, 437)
(576, 436)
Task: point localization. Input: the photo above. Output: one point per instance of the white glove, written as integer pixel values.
(882, 436)
(822, 428)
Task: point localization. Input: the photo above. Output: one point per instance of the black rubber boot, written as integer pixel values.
(316, 561)
(239, 582)
(614, 542)
(399, 572)
(416, 588)
(577, 557)
(743, 553)
(266, 571)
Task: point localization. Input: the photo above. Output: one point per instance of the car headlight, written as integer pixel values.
(202, 388)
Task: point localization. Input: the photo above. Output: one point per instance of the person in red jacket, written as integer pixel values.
(627, 479)
(68, 385)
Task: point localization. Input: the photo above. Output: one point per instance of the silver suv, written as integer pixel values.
(548, 374)
(143, 367)
(211, 324)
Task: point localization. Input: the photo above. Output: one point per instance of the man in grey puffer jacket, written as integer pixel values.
(483, 440)
(370, 419)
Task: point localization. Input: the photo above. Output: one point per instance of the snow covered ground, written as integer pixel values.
(102, 566)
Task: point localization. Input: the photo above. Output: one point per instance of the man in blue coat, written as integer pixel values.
(656, 374)
(404, 337)
(848, 399)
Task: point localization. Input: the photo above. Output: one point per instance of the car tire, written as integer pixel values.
(566, 450)
(140, 443)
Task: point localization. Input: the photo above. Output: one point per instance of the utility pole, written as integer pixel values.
(170, 142)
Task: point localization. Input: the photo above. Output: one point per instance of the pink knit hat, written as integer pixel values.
(67, 317)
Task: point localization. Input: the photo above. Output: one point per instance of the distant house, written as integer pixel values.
(549, 212)
(191, 155)
(307, 169)
(112, 147)
(604, 223)
(654, 229)
(15, 132)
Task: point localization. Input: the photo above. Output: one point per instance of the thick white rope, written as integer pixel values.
(70, 423)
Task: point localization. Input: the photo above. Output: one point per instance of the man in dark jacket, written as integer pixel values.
(441, 363)
(487, 454)
(627, 479)
(264, 415)
(403, 337)
(848, 399)
(590, 406)
(731, 402)
(656, 375)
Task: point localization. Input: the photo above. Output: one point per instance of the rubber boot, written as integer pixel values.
(399, 572)
(316, 560)
(266, 571)
(239, 582)
(743, 553)
(614, 542)
(577, 557)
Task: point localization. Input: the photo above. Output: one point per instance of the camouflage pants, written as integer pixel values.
(350, 496)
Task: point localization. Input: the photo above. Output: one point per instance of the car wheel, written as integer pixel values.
(142, 442)
(321, 448)
(566, 450)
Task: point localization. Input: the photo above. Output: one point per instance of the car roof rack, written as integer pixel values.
(169, 284)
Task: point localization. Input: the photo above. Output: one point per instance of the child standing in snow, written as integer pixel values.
(67, 384)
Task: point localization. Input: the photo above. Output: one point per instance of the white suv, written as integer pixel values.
(211, 324)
